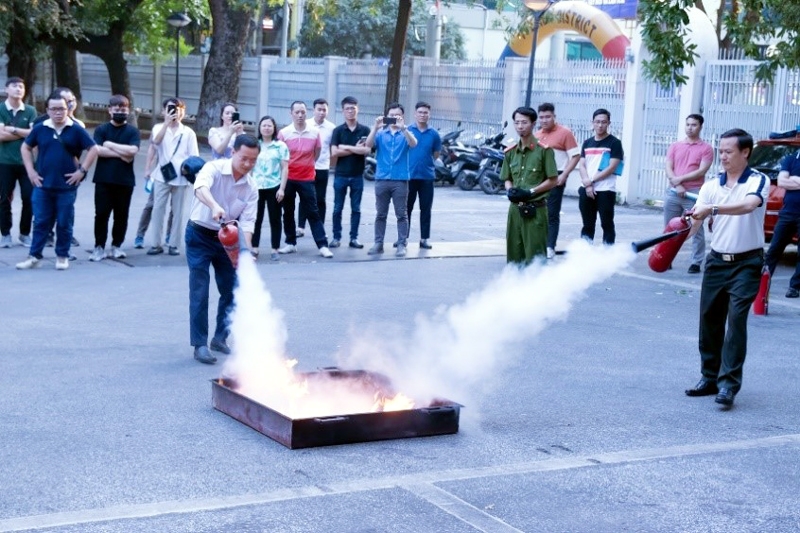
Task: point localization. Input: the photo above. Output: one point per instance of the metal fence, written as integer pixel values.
(660, 117)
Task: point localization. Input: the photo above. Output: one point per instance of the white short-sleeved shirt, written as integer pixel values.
(239, 199)
(734, 234)
(176, 146)
(325, 133)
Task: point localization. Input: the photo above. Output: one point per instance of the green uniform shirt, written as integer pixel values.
(526, 166)
(9, 150)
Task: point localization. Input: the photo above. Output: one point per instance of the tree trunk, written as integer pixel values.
(22, 60)
(224, 67)
(398, 49)
(65, 61)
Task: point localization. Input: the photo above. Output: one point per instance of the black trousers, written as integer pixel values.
(729, 289)
(423, 189)
(266, 197)
(321, 189)
(111, 198)
(10, 175)
(308, 201)
(602, 204)
(554, 199)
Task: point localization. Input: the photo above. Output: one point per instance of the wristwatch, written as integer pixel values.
(714, 210)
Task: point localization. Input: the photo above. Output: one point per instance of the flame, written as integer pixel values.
(400, 402)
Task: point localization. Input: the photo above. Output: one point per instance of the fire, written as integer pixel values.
(400, 402)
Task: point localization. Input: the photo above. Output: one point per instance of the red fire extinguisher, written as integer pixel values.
(662, 255)
(229, 237)
(761, 303)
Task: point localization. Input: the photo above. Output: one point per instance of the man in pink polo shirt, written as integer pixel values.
(304, 147)
(687, 163)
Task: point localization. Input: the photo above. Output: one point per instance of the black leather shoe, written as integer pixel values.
(725, 397)
(704, 387)
(202, 354)
(694, 269)
(792, 293)
(220, 346)
(355, 244)
(425, 245)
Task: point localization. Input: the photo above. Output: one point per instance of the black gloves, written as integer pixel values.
(519, 195)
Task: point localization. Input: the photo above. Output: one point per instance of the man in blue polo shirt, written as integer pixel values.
(392, 140)
(788, 224)
(429, 144)
(56, 177)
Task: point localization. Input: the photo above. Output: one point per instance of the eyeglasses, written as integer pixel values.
(57, 109)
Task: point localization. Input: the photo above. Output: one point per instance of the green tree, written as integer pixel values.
(353, 28)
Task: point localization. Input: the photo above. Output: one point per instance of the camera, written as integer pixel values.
(389, 120)
(235, 117)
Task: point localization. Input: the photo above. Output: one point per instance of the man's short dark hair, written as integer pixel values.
(245, 139)
(696, 116)
(119, 100)
(422, 104)
(177, 102)
(525, 111)
(56, 95)
(547, 106)
(319, 101)
(395, 105)
(291, 107)
(743, 139)
(14, 79)
(601, 111)
(351, 100)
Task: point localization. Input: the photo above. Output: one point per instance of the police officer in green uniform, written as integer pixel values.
(529, 171)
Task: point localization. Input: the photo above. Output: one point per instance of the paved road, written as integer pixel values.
(106, 423)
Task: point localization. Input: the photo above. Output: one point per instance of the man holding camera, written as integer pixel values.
(171, 143)
(392, 140)
(529, 172)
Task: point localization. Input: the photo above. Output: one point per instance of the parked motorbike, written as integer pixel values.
(489, 172)
(469, 176)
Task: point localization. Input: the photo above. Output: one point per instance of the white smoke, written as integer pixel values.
(447, 355)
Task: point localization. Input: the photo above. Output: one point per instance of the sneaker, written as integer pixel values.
(6, 242)
(335, 243)
(288, 249)
(425, 245)
(155, 250)
(62, 263)
(551, 253)
(300, 232)
(274, 256)
(325, 252)
(74, 242)
(355, 244)
(173, 250)
(219, 346)
(792, 293)
(98, 254)
(401, 250)
(30, 262)
(202, 354)
(694, 269)
(25, 240)
(138, 243)
(117, 253)
(376, 249)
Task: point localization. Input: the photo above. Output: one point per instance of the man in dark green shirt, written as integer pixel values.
(529, 172)
(16, 121)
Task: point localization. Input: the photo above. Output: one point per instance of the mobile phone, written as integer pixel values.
(390, 120)
(235, 117)
(362, 140)
(171, 109)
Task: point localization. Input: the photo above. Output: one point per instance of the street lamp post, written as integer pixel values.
(178, 21)
(538, 8)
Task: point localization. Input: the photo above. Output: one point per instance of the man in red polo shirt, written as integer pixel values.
(304, 147)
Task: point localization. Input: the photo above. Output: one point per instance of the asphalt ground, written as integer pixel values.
(106, 422)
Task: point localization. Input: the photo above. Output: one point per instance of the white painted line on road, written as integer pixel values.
(148, 510)
(467, 513)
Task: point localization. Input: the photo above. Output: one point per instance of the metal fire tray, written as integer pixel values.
(439, 418)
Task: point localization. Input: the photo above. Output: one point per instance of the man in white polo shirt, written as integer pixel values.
(736, 201)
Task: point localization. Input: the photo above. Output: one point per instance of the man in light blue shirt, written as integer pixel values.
(393, 141)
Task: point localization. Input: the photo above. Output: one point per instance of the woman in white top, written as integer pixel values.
(270, 173)
(221, 139)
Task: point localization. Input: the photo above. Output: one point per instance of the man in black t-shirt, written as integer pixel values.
(347, 144)
(114, 180)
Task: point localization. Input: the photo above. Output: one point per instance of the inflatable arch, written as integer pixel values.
(577, 16)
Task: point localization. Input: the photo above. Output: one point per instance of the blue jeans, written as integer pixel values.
(52, 206)
(425, 190)
(203, 249)
(788, 226)
(340, 185)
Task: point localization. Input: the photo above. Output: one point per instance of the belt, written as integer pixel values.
(204, 230)
(537, 203)
(733, 258)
